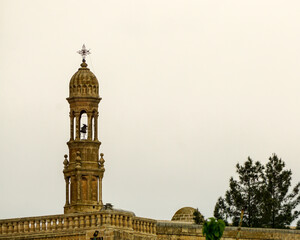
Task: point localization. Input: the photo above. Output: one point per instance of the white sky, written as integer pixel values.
(189, 89)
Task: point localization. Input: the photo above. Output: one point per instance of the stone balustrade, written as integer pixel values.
(84, 221)
(144, 225)
(115, 224)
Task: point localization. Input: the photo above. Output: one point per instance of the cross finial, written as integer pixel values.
(84, 52)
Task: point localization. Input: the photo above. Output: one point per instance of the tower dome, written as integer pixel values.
(84, 83)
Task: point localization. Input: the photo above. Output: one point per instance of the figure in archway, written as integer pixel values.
(83, 131)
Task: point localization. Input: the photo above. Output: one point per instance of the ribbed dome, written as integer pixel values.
(184, 215)
(84, 83)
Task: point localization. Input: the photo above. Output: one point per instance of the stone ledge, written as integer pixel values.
(268, 230)
(167, 229)
(28, 236)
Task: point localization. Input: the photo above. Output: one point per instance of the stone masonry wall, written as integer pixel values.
(121, 225)
(111, 224)
(184, 231)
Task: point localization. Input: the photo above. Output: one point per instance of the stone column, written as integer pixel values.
(100, 191)
(96, 126)
(71, 126)
(67, 190)
(77, 115)
(90, 126)
(78, 187)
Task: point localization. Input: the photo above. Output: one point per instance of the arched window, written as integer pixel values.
(83, 125)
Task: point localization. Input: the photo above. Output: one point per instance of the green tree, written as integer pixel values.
(220, 211)
(263, 191)
(212, 229)
(278, 210)
(198, 217)
(243, 194)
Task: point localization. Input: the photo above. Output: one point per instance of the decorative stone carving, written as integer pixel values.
(78, 160)
(66, 162)
(101, 161)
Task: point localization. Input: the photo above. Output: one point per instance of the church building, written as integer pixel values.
(85, 216)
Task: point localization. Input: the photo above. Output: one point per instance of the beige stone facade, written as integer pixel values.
(121, 225)
(183, 231)
(84, 212)
(111, 224)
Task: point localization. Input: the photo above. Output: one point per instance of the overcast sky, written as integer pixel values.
(189, 89)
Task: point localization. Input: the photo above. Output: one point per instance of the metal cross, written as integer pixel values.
(84, 52)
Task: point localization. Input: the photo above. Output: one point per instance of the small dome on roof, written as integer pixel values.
(84, 83)
(184, 215)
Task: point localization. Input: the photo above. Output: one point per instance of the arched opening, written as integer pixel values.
(83, 123)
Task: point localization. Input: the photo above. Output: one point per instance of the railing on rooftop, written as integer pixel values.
(65, 222)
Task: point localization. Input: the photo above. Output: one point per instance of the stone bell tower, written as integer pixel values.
(84, 170)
